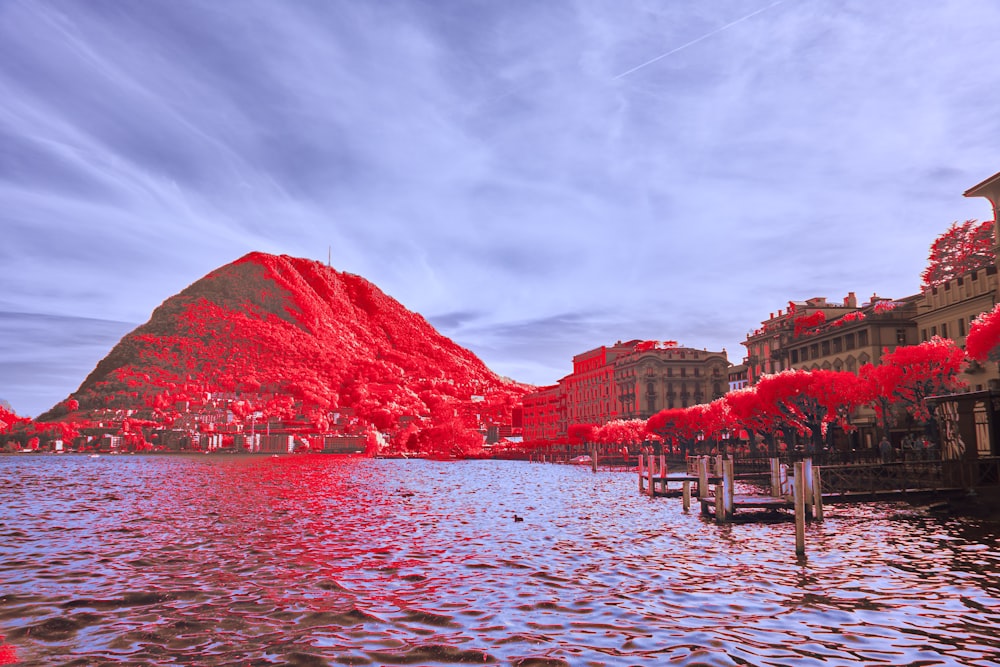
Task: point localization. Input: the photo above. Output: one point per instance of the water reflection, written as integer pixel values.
(328, 561)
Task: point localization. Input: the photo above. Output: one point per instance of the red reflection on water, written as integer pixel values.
(8, 654)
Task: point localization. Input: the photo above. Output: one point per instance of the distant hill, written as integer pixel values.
(297, 340)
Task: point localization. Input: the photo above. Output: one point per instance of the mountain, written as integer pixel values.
(282, 338)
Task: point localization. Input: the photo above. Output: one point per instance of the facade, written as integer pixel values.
(948, 309)
(676, 377)
(767, 347)
(737, 377)
(856, 338)
(590, 396)
(541, 413)
(630, 380)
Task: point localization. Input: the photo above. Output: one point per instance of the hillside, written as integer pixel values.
(291, 339)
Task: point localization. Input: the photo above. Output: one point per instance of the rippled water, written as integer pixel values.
(320, 560)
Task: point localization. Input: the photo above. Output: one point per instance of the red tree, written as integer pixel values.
(984, 336)
(964, 247)
(909, 374)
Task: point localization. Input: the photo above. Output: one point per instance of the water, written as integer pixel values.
(320, 560)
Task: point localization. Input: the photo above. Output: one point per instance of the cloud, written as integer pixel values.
(492, 158)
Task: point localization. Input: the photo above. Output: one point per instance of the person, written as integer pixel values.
(885, 450)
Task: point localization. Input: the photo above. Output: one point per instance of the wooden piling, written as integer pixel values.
(807, 468)
(817, 494)
(593, 457)
(651, 485)
(702, 477)
(728, 489)
(799, 494)
(686, 485)
(775, 478)
(720, 505)
(641, 470)
(663, 473)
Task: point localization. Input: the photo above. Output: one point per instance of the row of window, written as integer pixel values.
(836, 345)
(944, 328)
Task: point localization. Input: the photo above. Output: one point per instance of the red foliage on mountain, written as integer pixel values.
(964, 247)
(9, 419)
(293, 339)
(984, 336)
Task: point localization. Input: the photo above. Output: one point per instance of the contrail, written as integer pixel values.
(695, 41)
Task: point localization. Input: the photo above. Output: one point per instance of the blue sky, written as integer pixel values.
(535, 178)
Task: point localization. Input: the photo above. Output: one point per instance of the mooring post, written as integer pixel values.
(593, 457)
(641, 470)
(727, 488)
(649, 480)
(775, 478)
(817, 494)
(686, 484)
(702, 477)
(807, 467)
(663, 473)
(720, 504)
(799, 494)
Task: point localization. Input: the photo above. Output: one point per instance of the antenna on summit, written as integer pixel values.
(328, 249)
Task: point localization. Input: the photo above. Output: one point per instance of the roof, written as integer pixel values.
(990, 185)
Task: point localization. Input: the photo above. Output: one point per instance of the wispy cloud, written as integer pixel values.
(680, 169)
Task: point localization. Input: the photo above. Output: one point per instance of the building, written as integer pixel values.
(855, 338)
(767, 347)
(541, 413)
(737, 377)
(656, 379)
(947, 311)
(590, 396)
(630, 380)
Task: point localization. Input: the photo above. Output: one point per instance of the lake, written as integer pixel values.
(323, 560)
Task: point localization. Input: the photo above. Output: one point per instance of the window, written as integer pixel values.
(933, 331)
(670, 372)
(795, 356)
(814, 351)
(900, 336)
(944, 330)
(838, 344)
(849, 341)
(862, 338)
(923, 334)
(961, 326)
(825, 346)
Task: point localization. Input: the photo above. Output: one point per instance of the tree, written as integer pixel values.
(964, 247)
(911, 373)
(984, 336)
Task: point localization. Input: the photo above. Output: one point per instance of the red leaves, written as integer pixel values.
(804, 322)
(984, 336)
(964, 247)
(295, 341)
(803, 401)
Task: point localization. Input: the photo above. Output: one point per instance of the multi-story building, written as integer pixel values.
(656, 379)
(947, 311)
(767, 346)
(630, 380)
(855, 338)
(590, 396)
(542, 413)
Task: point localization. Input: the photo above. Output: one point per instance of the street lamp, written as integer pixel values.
(724, 434)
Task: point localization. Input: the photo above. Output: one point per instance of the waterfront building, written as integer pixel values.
(627, 380)
(855, 338)
(767, 346)
(948, 309)
(672, 377)
(540, 412)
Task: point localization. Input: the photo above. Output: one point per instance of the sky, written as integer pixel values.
(536, 179)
